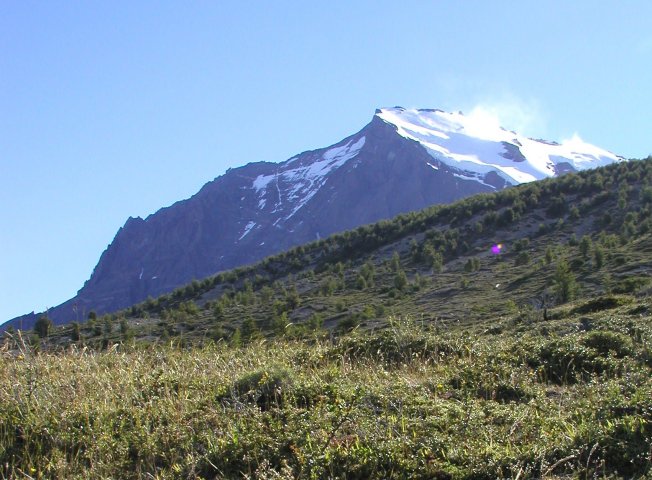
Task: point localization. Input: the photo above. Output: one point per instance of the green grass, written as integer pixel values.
(501, 398)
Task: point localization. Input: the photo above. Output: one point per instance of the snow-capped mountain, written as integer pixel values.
(477, 147)
(402, 160)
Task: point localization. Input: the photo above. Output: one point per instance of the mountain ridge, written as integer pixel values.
(447, 264)
(262, 208)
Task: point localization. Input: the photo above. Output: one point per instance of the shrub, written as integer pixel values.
(568, 361)
(348, 323)
(471, 265)
(266, 388)
(504, 393)
(605, 342)
(399, 345)
(606, 302)
(75, 332)
(43, 326)
(631, 284)
(523, 258)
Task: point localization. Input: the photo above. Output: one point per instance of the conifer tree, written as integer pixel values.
(75, 332)
(598, 256)
(400, 280)
(395, 262)
(236, 338)
(564, 281)
(249, 330)
(43, 326)
(279, 322)
(585, 246)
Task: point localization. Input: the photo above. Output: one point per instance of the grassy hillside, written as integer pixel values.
(404, 349)
(507, 397)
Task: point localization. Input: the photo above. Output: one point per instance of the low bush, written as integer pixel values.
(567, 360)
(606, 343)
(266, 388)
(606, 302)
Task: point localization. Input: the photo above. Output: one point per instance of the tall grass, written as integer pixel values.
(404, 402)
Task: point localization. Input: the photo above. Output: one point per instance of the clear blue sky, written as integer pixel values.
(116, 109)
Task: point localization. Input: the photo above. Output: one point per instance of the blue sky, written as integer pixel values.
(116, 109)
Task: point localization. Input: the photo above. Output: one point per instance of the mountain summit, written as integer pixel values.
(478, 147)
(402, 160)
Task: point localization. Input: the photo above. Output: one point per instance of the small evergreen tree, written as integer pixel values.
(400, 280)
(368, 271)
(316, 322)
(523, 258)
(574, 213)
(415, 252)
(598, 256)
(585, 246)
(108, 324)
(468, 266)
(236, 338)
(549, 255)
(217, 333)
(97, 329)
(432, 258)
(165, 336)
(266, 294)
(218, 312)
(292, 299)
(395, 263)
(43, 326)
(471, 265)
(75, 332)
(565, 283)
(249, 330)
(279, 322)
(339, 269)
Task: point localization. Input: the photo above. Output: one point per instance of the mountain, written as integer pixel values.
(480, 260)
(403, 160)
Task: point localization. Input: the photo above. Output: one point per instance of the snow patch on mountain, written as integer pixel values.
(247, 229)
(470, 145)
(298, 184)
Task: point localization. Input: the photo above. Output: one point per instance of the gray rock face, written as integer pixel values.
(261, 209)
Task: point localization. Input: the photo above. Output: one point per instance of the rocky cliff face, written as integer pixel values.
(402, 160)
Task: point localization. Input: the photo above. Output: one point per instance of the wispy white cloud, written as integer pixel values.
(574, 139)
(523, 116)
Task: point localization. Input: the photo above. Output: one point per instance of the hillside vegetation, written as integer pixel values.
(512, 397)
(405, 349)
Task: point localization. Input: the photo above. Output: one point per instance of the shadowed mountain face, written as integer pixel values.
(403, 160)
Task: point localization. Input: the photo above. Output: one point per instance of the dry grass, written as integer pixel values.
(399, 403)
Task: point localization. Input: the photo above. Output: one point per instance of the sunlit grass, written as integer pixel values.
(404, 402)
